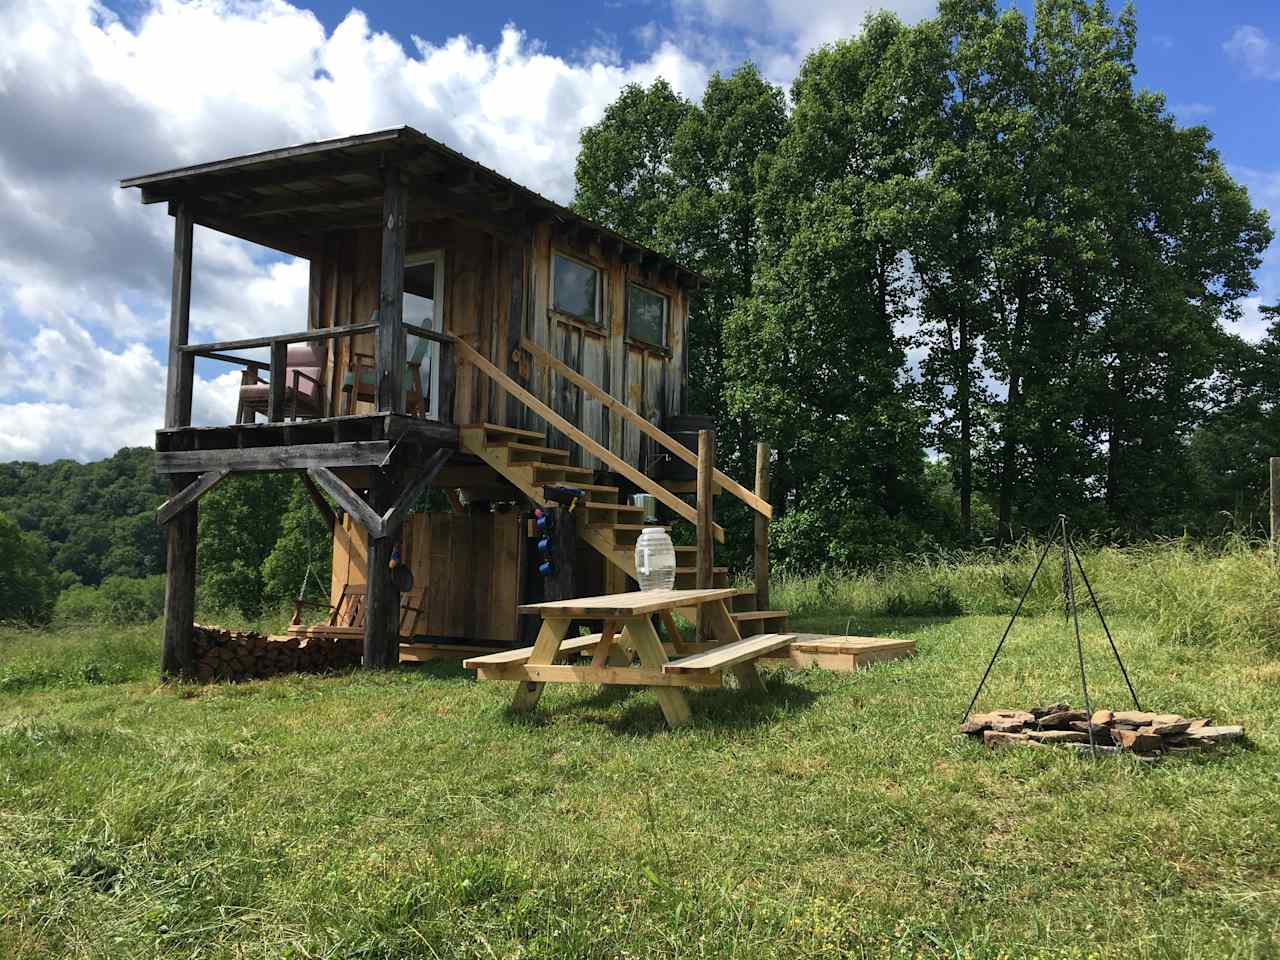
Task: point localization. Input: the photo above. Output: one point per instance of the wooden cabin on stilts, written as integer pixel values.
(462, 334)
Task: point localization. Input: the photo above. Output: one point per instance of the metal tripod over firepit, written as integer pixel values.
(1062, 538)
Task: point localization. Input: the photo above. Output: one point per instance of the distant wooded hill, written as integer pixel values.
(98, 519)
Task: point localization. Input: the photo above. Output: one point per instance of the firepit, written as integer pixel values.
(1129, 731)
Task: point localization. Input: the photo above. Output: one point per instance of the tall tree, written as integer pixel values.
(623, 172)
(814, 356)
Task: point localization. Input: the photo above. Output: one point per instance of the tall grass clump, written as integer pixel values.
(1203, 593)
(72, 656)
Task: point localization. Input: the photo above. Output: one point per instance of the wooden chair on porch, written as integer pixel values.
(360, 380)
(303, 387)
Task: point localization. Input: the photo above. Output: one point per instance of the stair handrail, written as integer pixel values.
(468, 354)
(614, 405)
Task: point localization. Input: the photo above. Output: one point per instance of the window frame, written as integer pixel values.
(665, 345)
(596, 323)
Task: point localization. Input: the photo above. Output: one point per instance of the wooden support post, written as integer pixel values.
(706, 517)
(1275, 505)
(177, 656)
(181, 372)
(562, 584)
(762, 528)
(382, 603)
(448, 377)
(390, 334)
(321, 504)
(275, 397)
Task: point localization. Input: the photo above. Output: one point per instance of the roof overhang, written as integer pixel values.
(289, 198)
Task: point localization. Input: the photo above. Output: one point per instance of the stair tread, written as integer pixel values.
(498, 428)
(758, 614)
(589, 487)
(619, 507)
(530, 448)
(558, 467)
(680, 570)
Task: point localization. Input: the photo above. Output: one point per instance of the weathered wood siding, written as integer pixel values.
(497, 287)
(471, 566)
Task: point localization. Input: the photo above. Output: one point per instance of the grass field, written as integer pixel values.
(409, 815)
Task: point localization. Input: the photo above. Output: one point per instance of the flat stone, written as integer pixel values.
(1135, 718)
(1215, 735)
(1169, 729)
(1101, 735)
(1044, 711)
(1199, 723)
(1007, 726)
(1137, 742)
(1059, 720)
(1103, 718)
(1058, 736)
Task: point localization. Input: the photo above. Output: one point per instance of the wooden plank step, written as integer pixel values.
(615, 507)
(690, 571)
(563, 468)
(509, 431)
(637, 527)
(521, 654)
(530, 448)
(759, 615)
(589, 487)
(730, 654)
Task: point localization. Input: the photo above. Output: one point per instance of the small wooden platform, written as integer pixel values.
(842, 654)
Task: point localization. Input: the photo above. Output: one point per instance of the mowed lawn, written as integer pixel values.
(410, 815)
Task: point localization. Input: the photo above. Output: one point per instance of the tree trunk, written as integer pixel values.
(966, 427)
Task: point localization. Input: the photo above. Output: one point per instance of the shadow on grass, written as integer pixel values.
(715, 708)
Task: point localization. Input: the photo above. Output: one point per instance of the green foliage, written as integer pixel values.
(27, 586)
(995, 194)
(1199, 594)
(97, 518)
(302, 555)
(117, 600)
(240, 522)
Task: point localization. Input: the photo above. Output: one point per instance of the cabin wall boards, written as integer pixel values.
(467, 572)
(498, 287)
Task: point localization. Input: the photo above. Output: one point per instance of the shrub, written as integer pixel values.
(119, 600)
(27, 584)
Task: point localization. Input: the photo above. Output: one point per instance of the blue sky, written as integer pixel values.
(92, 93)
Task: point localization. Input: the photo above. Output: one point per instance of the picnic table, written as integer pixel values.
(628, 630)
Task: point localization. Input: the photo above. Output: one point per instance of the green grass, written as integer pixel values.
(410, 815)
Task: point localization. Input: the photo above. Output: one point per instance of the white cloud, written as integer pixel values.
(86, 98)
(1193, 110)
(783, 31)
(1255, 51)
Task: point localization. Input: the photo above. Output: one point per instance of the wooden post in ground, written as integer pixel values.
(1275, 505)
(706, 518)
(762, 528)
(390, 333)
(177, 655)
(181, 372)
(382, 602)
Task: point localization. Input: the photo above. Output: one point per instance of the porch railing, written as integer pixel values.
(278, 345)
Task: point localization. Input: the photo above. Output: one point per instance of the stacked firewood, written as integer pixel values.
(243, 655)
(1133, 731)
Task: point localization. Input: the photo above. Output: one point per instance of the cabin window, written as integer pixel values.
(646, 315)
(575, 289)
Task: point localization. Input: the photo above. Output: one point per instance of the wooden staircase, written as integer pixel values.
(608, 525)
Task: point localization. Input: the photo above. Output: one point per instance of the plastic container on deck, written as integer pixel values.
(655, 560)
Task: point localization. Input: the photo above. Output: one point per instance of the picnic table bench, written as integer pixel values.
(628, 629)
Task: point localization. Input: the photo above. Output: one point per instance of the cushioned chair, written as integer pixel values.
(303, 385)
